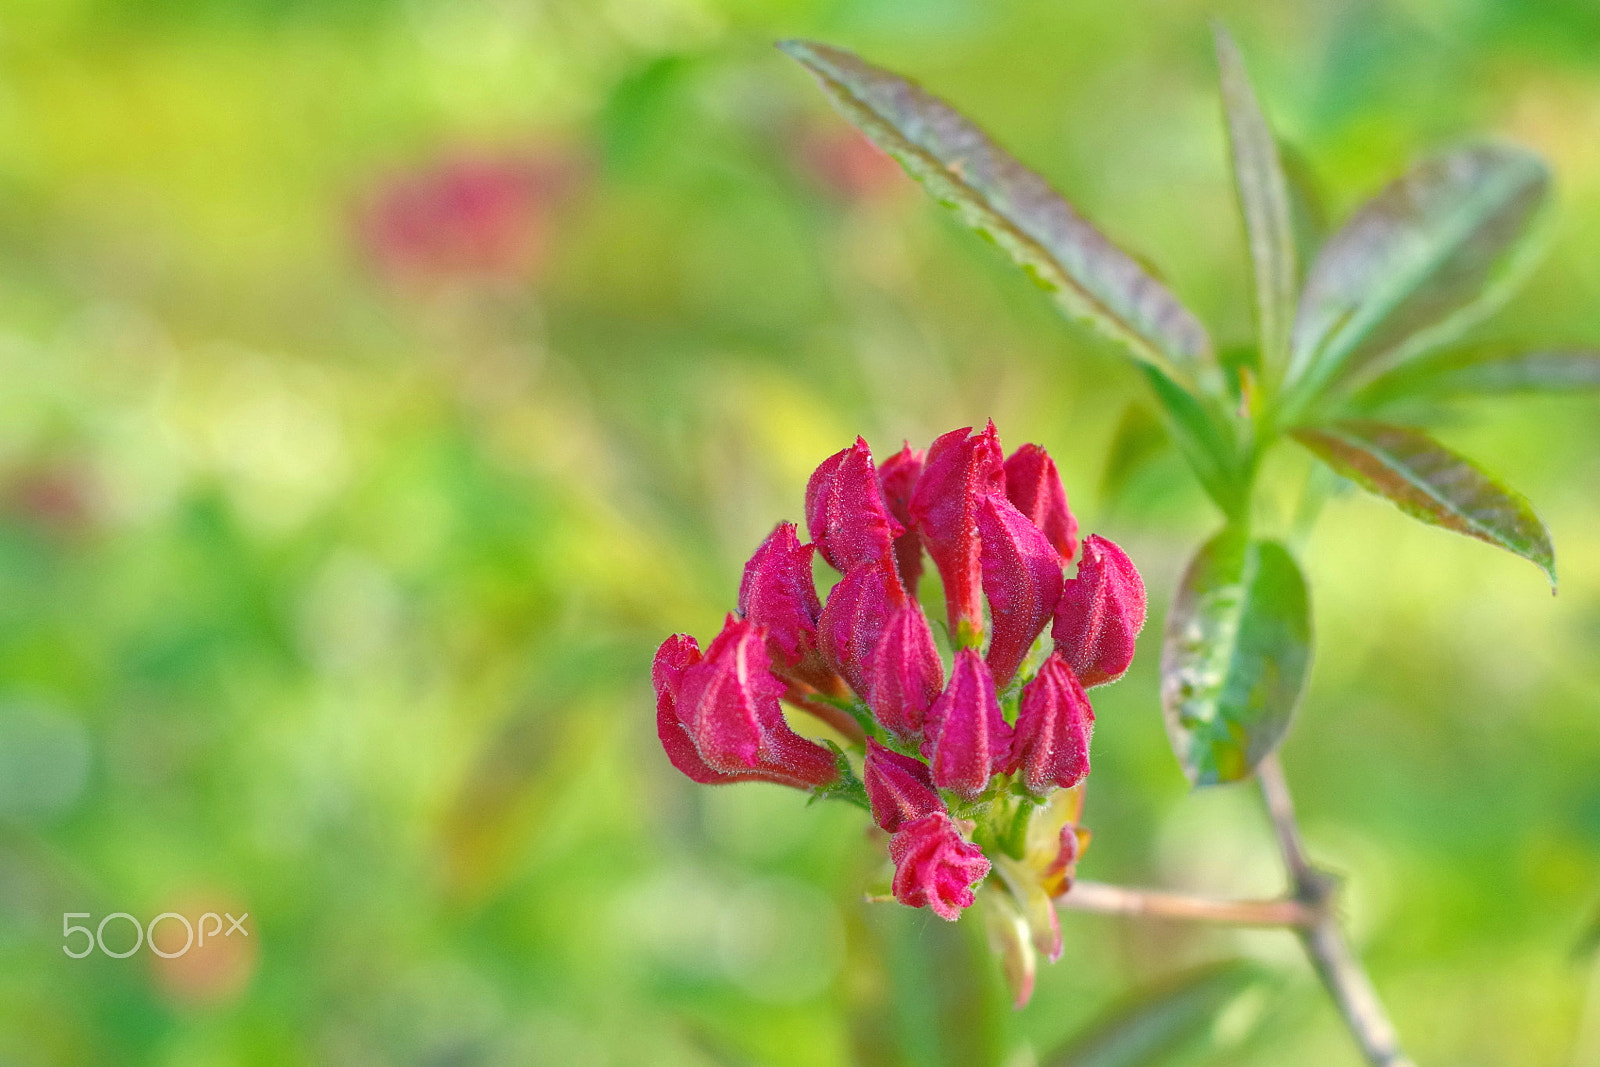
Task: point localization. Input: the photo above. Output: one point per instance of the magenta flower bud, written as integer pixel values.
(859, 608)
(1100, 613)
(960, 471)
(899, 788)
(898, 475)
(1022, 579)
(779, 595)
(725, 706)
(906, 674)
(1050, 744)
(1034, 485)
(968, 739)
(724, 697)
(845, 511)
(935, 867)
(676, 655)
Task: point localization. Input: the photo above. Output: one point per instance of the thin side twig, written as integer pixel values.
(1335, 963)
(1122, 900)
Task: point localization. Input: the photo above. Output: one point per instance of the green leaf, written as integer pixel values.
(1263, 200)
(1138, 439)
(1235, 656)
(1206, 438)
(1488, 370)
(1307, 205)
(1416, 264)
(1094, 281)
(1160, 1024)
(1429, 482)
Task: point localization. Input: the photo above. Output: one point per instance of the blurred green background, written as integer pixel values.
(380, 381)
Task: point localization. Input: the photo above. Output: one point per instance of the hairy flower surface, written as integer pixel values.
(853, 621)
(1034, 485)
(968, 738)
(906, 674)
(845, 511)
(899, 788)
(934, 866)
(742, 737)
(960, 471)
(779, 594)
(1022, 580)
(1050, 746)
(992, 802)
(898, 476)
(1100, 614)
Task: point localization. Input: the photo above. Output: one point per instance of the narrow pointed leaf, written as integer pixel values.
(1235, 656)
(1159, 1025)
(1093, 280)
(1429, 482)
(1417, 263)
(1206, 439)
(1483, 371)
(1264, 201)
(1308, 207)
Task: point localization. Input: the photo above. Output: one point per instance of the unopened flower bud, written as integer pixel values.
(968, 739)
(725, 705)
(859, 606)
(1022, 579)
(1034, 485)
(845, 511)
(906, 674)
(779, 595)
(677, 654)
(899, 788)
(1100, 613)
(960, 471)
(898, 476)
(935, 867)
(1050, 745)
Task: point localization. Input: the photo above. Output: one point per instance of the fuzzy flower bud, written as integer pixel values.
(899, 788)
(934, 866)
(1034, 485)
(898, 475)
(1022, 579)
(968, 739)
(1100, 613)
(906, 675)
(960, 471)
(859, 607)
(779, 595)
(677, 654)
(1050, 744)
(718, 715)
(845, 512)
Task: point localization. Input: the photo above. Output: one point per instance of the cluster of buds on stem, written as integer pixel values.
(968, 746)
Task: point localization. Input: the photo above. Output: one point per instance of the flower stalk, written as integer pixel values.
(1324, 940)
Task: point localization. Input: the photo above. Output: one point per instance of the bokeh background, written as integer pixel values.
(380, 380)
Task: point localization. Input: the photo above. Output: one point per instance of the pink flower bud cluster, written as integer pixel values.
(1000, 535)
